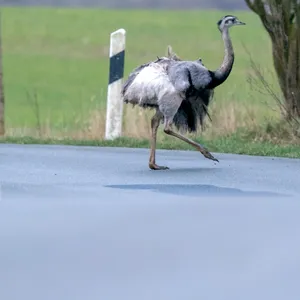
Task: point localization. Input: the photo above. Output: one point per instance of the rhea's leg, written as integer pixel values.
(154, 126)
(168, 130)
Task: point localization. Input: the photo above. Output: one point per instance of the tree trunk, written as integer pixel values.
(281, 20)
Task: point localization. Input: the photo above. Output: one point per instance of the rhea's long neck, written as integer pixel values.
(222, 73)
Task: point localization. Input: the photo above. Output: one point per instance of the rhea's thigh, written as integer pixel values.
(169, 105)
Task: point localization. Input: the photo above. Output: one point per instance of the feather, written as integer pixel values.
(192, 111)
(171, 85)
(148, 83)
(200, 77)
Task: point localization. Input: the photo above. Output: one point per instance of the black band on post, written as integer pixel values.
(116, 67)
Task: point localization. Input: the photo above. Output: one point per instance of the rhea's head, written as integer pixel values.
(229, 21)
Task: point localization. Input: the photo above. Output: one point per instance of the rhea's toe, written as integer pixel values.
(212, 157)
(208, 155)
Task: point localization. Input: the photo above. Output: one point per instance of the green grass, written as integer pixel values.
(233, 144)
(61, 55)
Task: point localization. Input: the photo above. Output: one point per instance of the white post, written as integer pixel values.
(114, 110)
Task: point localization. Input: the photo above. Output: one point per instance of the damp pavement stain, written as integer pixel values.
(196, 190)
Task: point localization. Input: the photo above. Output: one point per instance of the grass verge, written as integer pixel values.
(233, 144)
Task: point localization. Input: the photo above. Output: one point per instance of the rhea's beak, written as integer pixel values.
(240, 23)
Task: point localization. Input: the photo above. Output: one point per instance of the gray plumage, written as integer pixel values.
(182, 76)
(179, 90)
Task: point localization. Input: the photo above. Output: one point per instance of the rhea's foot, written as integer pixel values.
(154, 166)
(207, 154)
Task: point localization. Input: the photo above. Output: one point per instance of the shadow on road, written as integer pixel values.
(196, 190)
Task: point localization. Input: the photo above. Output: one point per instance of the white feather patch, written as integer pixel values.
(150, 85)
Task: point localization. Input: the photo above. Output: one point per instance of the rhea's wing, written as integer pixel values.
(147, 82)
(137, 70)
(200, 76)
(189, 74)
(132, 76)
(179, 76)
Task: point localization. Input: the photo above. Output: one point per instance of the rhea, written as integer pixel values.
(179, 91)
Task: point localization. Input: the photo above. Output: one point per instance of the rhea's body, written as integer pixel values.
(171, 86)
(179, 90)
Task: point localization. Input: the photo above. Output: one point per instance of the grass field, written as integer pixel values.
(56, 71)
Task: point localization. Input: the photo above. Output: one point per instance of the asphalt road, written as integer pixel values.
(95, 223)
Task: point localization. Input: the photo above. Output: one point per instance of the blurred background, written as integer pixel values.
(56, 63)
(151, 4)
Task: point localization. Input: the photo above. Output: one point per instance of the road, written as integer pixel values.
(95, 223)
